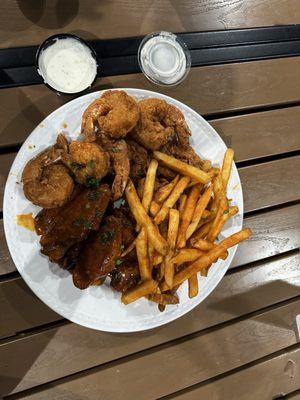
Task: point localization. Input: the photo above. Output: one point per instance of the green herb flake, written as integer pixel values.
(87, 223)
(98, 213)
(226, 212)
(92, 182)
(119, 261)
(74, 166)
(90, 164)
(115, 150)
(106, 236)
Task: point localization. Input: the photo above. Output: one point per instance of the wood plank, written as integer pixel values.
(230, 87)
(118, 18)
(261, 134)
(173, 367)
(272, 183)
(273, 378)
(274, 232)
(238, 294)
(6, 161)
(295, 396)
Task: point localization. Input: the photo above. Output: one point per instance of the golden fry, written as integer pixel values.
(140, 290)
(199, 211)
(143, 219)
(183, 168)
(164, 192)
(203, 244)
(187, 214)
(164, 299)
(142, 255)
(193, 286)
(223, 219)
(172, 238)
(154, 208)
(201, 233)
(149, 185)
(226, 167)
(187, 255)
(182, 201)
(171, 200)
(210, 257)
(157, 259)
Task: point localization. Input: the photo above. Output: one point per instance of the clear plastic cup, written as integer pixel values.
(164, 58)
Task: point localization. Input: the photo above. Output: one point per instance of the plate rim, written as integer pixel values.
(172, 317)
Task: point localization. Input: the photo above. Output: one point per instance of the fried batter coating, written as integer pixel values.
(159, 123)
(86, 161)
(46, 182)
(114, 114)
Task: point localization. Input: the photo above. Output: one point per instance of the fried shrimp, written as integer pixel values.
(118, 153)
(87, 161)
(114, 114)
(46, 182)
(159, 123)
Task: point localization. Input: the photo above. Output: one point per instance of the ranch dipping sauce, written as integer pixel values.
(67, 65)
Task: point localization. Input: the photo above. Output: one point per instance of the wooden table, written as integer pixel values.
(242, 342)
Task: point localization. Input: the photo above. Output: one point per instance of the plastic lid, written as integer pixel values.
(163, 58)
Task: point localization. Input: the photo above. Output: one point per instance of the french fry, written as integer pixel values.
(162, 193)
(172, 237)
(226, 167)
(187, 255)
(183, 168)
(171, 200)
(182, 201)
(187, 214)
(164, 299)
(199, 211)
(223, 219)
(204, 245)
(151, 252)
(154, 208)
(201, 233)
(138, 291)
(157, 259)
(207, 259)
(142, 255)
(149, 185)
(143, 219)
(193, 286)
(224, 255)
(206, 214)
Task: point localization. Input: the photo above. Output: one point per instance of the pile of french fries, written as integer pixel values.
(178, 227)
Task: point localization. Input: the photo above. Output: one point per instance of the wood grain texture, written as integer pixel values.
(266, 380)
(272, 183)
(6, 263)
(167, 369)
(208, 90)
(261, 134)
(6, 161)
(34, 21)
(274, 232)
(68, 349)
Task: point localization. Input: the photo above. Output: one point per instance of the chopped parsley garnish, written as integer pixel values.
(115, 150)
(93, 196)
(106, 236)
(82, 221)
(119, 261)
(90, 164)
(77, 222)
(98, 213)
(75, 166)
(226, 211)
(92, 182)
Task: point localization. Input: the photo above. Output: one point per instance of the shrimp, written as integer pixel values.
(47, 183)
(87, 161)
(118, 152)
(159, 123)
(115, 113)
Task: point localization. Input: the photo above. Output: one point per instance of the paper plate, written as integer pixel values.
(100, 307)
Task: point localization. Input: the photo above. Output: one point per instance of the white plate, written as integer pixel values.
(100, 307)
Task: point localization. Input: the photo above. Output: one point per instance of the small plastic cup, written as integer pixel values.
(164, 58)
(90, 57)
